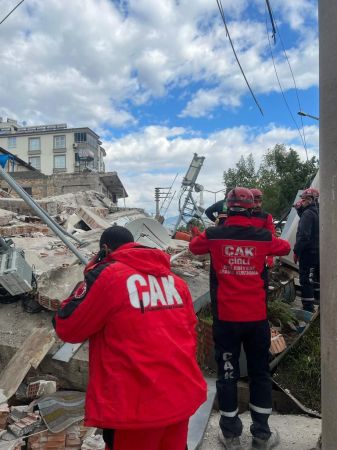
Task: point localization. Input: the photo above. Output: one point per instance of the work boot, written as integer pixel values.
(232, 443)
(266, 444)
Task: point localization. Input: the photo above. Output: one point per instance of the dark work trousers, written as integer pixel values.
(255, 337)
(309, 279)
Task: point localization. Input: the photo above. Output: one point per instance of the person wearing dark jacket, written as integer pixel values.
(217, 212)
(144, 381)
(306, 249)
(238, 296)
(260, 218)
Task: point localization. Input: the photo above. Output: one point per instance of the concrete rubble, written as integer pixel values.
(57, 270)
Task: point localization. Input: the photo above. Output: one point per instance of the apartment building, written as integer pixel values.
(53, 148)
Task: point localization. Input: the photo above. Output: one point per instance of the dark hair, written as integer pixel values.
(115, 236)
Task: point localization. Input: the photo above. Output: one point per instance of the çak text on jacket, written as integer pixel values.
(146, 291)
(237, 250)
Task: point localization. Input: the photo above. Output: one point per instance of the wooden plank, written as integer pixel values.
(32, 352)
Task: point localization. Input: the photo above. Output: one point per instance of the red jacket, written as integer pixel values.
(140, 322)
(238, 252)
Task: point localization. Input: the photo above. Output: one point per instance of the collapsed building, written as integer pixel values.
(40, 376)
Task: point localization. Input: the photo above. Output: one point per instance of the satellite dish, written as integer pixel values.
(149, 232)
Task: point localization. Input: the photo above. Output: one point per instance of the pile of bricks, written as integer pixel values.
(69, 439)
(24, 230)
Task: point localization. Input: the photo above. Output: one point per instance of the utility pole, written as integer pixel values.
(160, 194)
(328, 216)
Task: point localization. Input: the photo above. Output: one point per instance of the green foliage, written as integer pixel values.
(244, 174)
(280, 175)
(300, 369)
(280, 313)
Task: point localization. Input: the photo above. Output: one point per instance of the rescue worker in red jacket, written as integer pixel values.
(261, 218)
(238, 251)
(144, 381)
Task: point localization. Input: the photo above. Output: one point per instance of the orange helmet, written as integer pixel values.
(240, 197)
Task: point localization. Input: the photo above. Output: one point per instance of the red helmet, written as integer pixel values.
(310, 192)
(256, 192)
(240, 197)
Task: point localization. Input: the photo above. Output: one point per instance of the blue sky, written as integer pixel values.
(158, 81)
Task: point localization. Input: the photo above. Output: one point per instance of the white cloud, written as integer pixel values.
(152, 157)
(91, 61)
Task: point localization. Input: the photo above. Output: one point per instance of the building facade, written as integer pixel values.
(40, 185)
(53, 148)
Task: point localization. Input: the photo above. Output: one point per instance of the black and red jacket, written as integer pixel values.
(140, 322)
(261, 218)
(238, 252)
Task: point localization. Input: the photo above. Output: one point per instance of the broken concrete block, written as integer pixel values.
(55, 285)
(93, 443)
(91, 219)
(5, 217)
(38, 388)
(4, 414)
(18, 412)
(26, 425)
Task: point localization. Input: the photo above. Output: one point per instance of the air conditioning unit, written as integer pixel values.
(75, 145)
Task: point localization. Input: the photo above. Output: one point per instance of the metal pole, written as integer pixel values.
(328, 215)
(42, 214)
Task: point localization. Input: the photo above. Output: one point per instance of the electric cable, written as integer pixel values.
(236, 57)
(283, 95)
(6, 17)
(275, 29)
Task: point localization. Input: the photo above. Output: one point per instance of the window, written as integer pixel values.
(12, 142)
(34, 144)
(59, 161)
(80, 137)
(35, 161)
(59, 142)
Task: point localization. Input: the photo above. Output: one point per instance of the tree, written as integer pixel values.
(244, 174)
(280, 175)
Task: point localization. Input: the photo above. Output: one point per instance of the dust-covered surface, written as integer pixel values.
(296, 432)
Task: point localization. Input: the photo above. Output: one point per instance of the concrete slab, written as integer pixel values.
(296, 432)
(198, 422)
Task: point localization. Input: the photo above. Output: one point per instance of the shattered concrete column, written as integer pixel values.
(328, 215)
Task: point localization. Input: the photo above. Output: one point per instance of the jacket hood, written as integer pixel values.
(143, 259)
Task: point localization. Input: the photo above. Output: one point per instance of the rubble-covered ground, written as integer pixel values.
(33, 373)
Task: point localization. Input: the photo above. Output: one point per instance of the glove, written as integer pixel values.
(270, 262)
(295, 258)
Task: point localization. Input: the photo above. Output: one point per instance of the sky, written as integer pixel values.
(158, 81)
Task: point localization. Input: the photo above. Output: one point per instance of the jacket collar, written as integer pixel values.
(242, 221)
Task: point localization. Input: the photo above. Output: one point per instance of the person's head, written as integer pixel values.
(258, 197)
(240, 201)
(113, 237)
(309, 196)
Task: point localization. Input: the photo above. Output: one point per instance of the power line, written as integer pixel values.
(236, 57)
(282, 92)
(11, 11)
(272, 20)
(275, 27)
